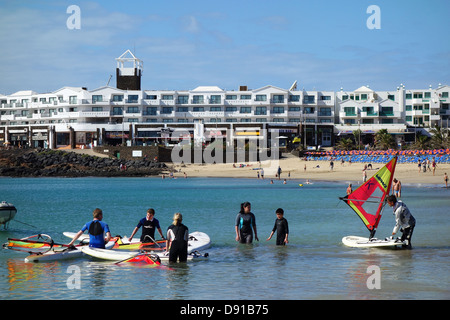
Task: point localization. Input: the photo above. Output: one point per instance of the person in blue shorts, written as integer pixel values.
(148, 224)
(97, 230)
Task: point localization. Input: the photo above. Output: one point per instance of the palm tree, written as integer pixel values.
(345, 144)
(439, 137)
(384, 140)
(422, 142)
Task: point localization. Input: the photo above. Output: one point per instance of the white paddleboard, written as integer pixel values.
(85, 237)
(198, 241)
(362, 242)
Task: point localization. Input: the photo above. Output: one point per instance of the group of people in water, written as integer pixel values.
(177, 235)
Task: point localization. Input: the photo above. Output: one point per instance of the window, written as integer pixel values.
(444, 94)
(363, 96)
(117, 111)
(344, 97)
(408, 108)
(246, 110)
(197, 99)
(278, 110)
(183, 99)
(294, 98)
(183, 109)
(97, 98)
(231, 97)
(167, 97)
(215, 109)
(391, 97)
(133, 98)
(294, 109)
(261, 111)
(308, 99)
(151, 111)
(387, 111)
(326, 98)
(427, 94)
(246, 97)
(151, 97)
(408, 96)
(97, 109)
(215, 99)
(278, 98)
(166, 110)
(133, 110)
(325, 112)
(230, 109)
(198, 109)
(117, 98)
(73, 100)
(418, 95)
(261, 97)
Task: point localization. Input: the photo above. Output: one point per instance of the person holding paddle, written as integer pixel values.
(96, 229)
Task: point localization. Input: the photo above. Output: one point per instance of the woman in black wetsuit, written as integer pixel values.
(245, 221)
(177, 239)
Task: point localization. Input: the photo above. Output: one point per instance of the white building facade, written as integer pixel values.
(78, 117)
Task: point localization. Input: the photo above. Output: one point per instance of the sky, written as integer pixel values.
(323, 45)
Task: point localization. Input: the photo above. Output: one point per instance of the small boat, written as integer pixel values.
(7, 213)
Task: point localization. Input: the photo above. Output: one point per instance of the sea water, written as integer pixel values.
(314, 265)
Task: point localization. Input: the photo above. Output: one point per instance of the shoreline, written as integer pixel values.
(406, 173)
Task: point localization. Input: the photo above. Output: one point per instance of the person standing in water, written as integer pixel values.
(148, 224)
(281, 227)
(177, 239)
(404, 220)
(245, 224)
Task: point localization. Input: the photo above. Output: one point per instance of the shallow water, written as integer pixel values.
(315, 264)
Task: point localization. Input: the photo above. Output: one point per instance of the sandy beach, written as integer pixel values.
(407, 173)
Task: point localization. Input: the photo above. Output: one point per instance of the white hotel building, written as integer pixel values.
(78, 117)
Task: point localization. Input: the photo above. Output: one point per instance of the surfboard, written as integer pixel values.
(119, 255)
(363, 242)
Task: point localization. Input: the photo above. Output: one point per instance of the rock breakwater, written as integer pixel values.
(58, 163)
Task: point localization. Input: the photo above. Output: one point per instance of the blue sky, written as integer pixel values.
(324, 45)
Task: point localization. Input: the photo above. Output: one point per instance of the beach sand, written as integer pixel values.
(407, 173)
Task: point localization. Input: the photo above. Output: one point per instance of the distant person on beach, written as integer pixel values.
(419, 164)
(433, 165)
(331, 165)
(149, 223)
(397, 188)
(279, 172)
(364, 175)
(177, 239)
(281, 227)
(245, 221)
(404, 220)
(96, 229)
(446, 179)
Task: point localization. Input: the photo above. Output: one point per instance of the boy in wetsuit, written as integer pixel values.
(281, 227)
